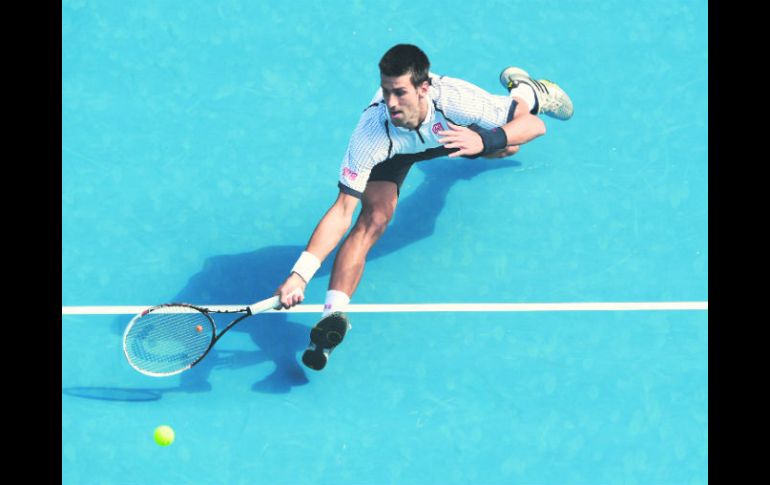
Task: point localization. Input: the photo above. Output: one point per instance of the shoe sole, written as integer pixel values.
(325, 336)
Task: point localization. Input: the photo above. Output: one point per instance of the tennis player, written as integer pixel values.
(416, 115)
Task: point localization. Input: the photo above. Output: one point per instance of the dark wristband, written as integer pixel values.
(494, 139)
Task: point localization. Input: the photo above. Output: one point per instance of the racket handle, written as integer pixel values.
(272, 303)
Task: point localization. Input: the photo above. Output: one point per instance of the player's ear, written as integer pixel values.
(423, 89)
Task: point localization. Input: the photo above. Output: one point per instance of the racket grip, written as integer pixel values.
(272, 303)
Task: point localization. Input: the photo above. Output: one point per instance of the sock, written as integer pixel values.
(527, 93)
(335, 302)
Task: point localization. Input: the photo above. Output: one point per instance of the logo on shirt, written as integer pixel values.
(436, 128)
(349, 174)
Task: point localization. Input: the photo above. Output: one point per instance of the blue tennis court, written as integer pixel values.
(202, 142)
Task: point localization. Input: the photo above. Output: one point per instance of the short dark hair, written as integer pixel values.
(406, 58)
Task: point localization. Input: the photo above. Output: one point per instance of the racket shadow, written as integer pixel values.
(241, 278)
(123, 394)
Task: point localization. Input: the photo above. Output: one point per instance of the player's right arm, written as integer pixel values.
(327, 234)
(369, 145)
(334, 224)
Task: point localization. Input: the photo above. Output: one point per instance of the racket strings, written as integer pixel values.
(168, 340)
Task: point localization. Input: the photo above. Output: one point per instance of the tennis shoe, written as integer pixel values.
(327, 334)
(551, 99)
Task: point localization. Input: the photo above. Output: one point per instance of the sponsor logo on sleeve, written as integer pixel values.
(349, 174)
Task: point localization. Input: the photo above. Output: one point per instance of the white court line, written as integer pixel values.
(432, 307)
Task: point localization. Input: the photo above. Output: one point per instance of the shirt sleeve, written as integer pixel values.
(369, 145)
(466, 104)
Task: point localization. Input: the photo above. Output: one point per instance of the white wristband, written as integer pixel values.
(306, 266)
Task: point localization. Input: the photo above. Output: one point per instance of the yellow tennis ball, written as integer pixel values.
(164, 435)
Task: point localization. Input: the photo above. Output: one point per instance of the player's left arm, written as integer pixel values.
(523, 128)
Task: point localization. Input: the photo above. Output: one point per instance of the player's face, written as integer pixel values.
(406, 104)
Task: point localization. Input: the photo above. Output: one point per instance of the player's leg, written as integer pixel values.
(378, 205)
(543, 96)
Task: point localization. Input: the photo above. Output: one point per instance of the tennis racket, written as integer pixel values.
(169, 339)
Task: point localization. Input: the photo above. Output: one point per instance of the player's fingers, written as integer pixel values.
(296, 296)
(459, 138)
(282, 297)
(287, 298)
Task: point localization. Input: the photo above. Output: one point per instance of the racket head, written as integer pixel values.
(168, 339)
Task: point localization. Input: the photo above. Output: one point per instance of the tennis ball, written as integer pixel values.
(164, 435)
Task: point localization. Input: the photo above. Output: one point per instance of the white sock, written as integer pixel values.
(525, 92)
(336, 301)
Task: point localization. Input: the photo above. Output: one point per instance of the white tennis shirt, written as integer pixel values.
(376, 140)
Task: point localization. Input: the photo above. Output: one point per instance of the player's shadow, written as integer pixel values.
(242, 278)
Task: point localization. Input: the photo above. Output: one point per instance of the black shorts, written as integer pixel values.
(396, 168)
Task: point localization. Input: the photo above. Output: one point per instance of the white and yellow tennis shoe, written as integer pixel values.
(551, 99)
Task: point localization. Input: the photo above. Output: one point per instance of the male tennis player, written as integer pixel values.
(416, 115)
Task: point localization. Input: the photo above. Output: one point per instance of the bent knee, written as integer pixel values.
(374, 220)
